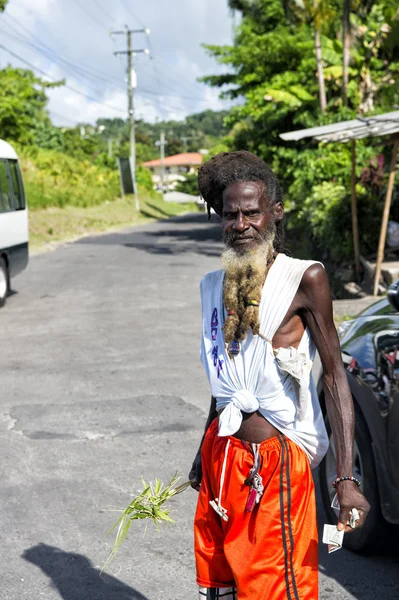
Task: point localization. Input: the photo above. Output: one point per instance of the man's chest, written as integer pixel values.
(292, 327)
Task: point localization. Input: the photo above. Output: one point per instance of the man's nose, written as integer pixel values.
(240, 224)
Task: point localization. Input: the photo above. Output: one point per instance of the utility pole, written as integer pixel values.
(162, 143)
(346, 49)
(110, 141)
(132, 84)
(185, 139)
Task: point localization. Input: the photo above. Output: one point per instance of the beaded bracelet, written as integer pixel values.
(339, 479)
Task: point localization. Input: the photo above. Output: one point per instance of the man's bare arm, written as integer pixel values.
(195, 474)
(318, 317)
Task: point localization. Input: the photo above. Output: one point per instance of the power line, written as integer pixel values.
(135, 17)
(87, 72)
(180, 82)
(98, 4)
(160, 105)
(90, 15)
(71, 67)
(57, 114)
(152, 57)
(175, 109)
(174, 95)
(29, 64)
(30, 33)
(178, 73)
(45, 50)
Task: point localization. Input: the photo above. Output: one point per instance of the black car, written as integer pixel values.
(370, 351)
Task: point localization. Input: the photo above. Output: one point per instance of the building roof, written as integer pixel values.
(361, 127)
(185, 159)
(7, 151)
(180, 197)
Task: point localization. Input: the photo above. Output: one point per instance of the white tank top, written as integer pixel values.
(277, 383)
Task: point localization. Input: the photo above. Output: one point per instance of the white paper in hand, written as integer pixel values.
(353, 515)
(332, 537)
(353, 518)
(335, 504)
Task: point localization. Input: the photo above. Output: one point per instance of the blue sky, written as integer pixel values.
(70, 38)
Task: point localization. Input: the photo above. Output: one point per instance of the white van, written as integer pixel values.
(13, 220)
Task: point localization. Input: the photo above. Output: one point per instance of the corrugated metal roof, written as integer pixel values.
(181, 160)
(361, 127)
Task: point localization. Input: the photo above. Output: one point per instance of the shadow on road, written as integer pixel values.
(365, 578)
(179, 235)
(75, 578)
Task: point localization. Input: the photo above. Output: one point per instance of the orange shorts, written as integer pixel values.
(271, 552)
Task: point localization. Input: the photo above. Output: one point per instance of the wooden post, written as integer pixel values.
(355, 226)
(385, 216)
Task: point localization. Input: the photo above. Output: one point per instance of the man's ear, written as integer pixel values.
(278, 210)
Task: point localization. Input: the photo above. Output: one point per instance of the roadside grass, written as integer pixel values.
(53, 225)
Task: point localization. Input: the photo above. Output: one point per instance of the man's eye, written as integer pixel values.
(252, 213)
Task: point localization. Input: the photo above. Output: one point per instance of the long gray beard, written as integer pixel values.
(239, 265)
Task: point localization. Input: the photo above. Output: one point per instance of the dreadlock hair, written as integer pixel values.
(242, 290)
(241, 287)
(228, 167)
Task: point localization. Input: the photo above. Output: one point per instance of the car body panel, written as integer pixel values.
(370, 351)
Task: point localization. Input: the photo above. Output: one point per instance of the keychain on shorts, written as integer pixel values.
(254, 481)
(255, 493)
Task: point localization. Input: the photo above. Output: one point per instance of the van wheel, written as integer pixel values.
(4, 282)
(372, 535)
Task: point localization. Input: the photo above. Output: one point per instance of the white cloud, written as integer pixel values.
(78, 32)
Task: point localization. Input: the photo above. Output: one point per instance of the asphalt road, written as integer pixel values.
(102, 384)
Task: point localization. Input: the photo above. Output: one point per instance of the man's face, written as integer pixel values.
(248, 219)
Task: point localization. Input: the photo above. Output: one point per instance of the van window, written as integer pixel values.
(19, 196)
(5, 190)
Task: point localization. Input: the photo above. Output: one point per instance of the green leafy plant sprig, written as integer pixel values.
(149, 504)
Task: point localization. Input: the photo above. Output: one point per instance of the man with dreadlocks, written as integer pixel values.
(264, 316)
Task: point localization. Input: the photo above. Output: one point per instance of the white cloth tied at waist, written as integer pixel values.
(290, 362)
(230, 418)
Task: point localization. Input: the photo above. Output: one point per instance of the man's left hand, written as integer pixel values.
(349, 496)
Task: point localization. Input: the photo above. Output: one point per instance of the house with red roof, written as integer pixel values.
(175, 168)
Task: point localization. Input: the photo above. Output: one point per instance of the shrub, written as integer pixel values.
(326, 215)
(54, 179)
(189, 185)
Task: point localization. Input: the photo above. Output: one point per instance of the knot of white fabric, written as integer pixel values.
(297, 365)
(230, 418)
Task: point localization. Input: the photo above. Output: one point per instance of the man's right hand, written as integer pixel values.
(195, 474)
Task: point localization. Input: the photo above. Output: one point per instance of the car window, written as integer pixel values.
(381, 307)
(19, 196)
(5, 189)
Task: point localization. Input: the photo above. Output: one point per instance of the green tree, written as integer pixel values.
(346, 35)
(272, 66)
(3, 4)
(189, 185)
(23, 102)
